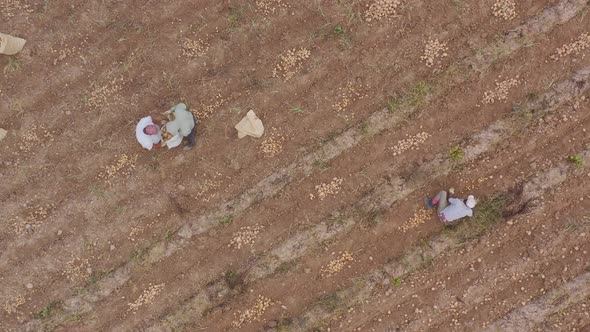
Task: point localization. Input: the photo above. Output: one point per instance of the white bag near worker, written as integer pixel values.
(250, 125)
(10, 45)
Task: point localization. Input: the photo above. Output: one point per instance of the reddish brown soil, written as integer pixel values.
(78, 249)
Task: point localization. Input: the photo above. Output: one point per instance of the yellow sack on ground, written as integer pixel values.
(10, 45)
(250, 125)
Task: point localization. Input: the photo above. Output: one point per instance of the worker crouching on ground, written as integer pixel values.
(148, 133)
(181, 123)
(453, 209)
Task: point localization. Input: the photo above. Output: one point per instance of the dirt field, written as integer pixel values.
(319, 225)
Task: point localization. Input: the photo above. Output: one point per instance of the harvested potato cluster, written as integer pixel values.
(77, 269)
(269, 7)
(245, 236)
(433, 50)
(501, 91)
(193, 48)
(9, 8)
(410, 143)
(290, 63)
(504, 9)
(575, 48)
(123, 164)
(346, 95)
(37, 135)
(272, 144)
(147, 297)
(420, 216)
(327, 189)
(206, 111)
(338, 264)
(254, 313)
(103, 95)
(381, 9)
(11, 305)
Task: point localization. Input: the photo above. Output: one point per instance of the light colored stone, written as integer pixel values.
(3, 133)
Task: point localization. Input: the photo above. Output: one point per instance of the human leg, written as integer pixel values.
(441, 199)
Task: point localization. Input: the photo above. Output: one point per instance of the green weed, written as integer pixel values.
(396, 282)
(456, 153)
(321, 164)
(415, 97)
(232, 279)
(330, 301)
(234, 17)
(394, 104)
(297, 109)
(486, 214)
(577, 160)
(226, 220)
(47, 311)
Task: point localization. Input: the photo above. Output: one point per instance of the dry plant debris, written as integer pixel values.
(504, 9)
(327, 189)
(410, 143)
(272, 144)
(252, 314)
(9, 8)
(102, 95)
(337, 264)
(11, 305)
(575, 48)
(346, 96)
(205, 111)
(123, 164)
(433, 50)
(381, 9)
(37, 135)
(147, 297)
(193, 48)
(245, 236)
(77, 269)
(268, 7)
(420, 216)
(501, 91)
(290, 63)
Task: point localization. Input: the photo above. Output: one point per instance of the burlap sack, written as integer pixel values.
(10, 45)
(250, 125)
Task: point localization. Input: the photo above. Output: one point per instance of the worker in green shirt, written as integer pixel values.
(182, 123)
